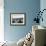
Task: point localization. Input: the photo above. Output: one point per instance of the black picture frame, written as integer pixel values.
(17, 19)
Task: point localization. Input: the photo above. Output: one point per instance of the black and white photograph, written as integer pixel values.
(17, 18)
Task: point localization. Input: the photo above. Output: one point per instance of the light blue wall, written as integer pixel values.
(43, 6)
(30, 7)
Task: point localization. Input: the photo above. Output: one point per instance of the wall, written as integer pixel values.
(30, 7)
(43, 6)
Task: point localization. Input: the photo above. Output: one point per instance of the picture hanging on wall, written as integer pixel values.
(17, 19)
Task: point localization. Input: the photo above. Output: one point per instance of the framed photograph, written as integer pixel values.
(17, 19)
